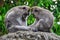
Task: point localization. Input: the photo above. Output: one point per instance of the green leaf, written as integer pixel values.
(0, 18)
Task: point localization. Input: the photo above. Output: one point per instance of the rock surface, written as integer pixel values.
(29, 35)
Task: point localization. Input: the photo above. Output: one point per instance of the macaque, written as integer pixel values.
(44, 19)
(15, 19)
(17, 16)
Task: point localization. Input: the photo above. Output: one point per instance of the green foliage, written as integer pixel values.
(56, 28)
(53, 6)
(0, 18)
(30, 20)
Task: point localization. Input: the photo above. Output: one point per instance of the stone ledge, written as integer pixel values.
(29, 35)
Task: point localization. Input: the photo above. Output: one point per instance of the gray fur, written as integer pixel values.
(13, 21)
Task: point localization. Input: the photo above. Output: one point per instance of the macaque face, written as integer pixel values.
(25, 12)
(36, 11)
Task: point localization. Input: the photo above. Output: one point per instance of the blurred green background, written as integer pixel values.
(52, 5)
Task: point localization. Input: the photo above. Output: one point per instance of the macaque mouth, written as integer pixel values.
(24, 16)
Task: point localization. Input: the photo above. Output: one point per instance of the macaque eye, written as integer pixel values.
(24, 7)
(36, 10)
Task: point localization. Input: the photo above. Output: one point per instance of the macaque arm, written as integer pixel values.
(20, 27)
(42, 22)
(38, 23)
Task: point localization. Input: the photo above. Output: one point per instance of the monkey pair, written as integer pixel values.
(15, 19)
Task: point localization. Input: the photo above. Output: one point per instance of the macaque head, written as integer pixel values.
(18, 11)
(25, 12)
